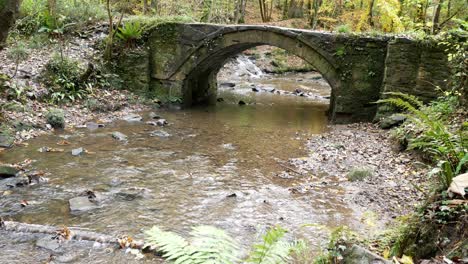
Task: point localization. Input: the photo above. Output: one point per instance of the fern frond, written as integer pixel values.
(213, 245)
(407, 97)
(207, 245)
(272, 250)
(172, 245)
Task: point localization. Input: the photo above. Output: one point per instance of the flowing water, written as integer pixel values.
(222, 166)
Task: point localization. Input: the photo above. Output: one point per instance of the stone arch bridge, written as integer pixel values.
(182, 60)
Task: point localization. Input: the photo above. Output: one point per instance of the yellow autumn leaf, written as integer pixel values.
(406, 260)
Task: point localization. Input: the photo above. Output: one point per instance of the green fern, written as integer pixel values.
(426, 131)
(208, 245)
(273, 249)
(130, 32)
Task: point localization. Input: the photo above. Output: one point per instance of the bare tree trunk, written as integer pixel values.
(286, 9)
(154, 6)
(370, 15)
(145, 7)
(314, 19)
(242, 17)
(435, 19)
(449, 8)
(73, 233)
(295, 9)
(8, 12)
(262, 9)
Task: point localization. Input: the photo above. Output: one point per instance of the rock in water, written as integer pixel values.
(132, 118)
(7, 172)
(77, 152)
(153, 115)
(119, 136)
(242, 102)
(6, 141)
(359, 255)
(49, 243)
(269, 89)
(93, 126)
(160, 133)
(161, 122)
(228, 84)
(81, 204)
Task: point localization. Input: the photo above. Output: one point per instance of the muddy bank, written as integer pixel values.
(365, 161)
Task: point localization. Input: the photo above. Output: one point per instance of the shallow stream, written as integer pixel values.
(223, 166)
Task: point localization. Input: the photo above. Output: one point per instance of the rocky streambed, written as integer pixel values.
(243, 168)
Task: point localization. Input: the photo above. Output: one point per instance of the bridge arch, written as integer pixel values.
(184, 60)
(199, 71)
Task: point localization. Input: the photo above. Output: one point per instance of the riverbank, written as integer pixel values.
(356, 170)
(25, 99)
(363, 159)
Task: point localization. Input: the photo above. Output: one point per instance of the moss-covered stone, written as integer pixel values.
(181, 60)
(56, 118)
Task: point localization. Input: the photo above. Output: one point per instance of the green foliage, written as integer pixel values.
(359, 174)
(272, 249)
(426, 131)
(343, 29)
(456, 44)
(211, 245)
(18, 53)
(67, 81)
(207, 245)
(281, 59)
(148, 23)
(56, 118)
(17, 92)
(62, 77)
(130, 32)
(339, 239)
(35, 14)
(340, 52)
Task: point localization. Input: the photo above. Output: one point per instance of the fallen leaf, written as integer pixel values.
(63, 143)
(459, 184)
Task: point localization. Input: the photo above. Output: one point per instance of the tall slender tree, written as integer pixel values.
(8, 12)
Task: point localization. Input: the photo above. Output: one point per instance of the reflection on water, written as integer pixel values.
(187, 178)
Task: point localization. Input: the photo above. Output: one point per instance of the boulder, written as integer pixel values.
(6, 141)
(77, 152)
(359, 255)
(153, 115)
(7, 171)
(161, 122)
(56, 118)
(119, 136)
(392, 121)
(132, 118)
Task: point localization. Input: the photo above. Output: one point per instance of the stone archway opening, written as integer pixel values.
(264, 73)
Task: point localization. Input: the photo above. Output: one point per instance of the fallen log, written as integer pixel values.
(72, 233)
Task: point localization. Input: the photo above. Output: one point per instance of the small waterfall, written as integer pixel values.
(247, 67)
